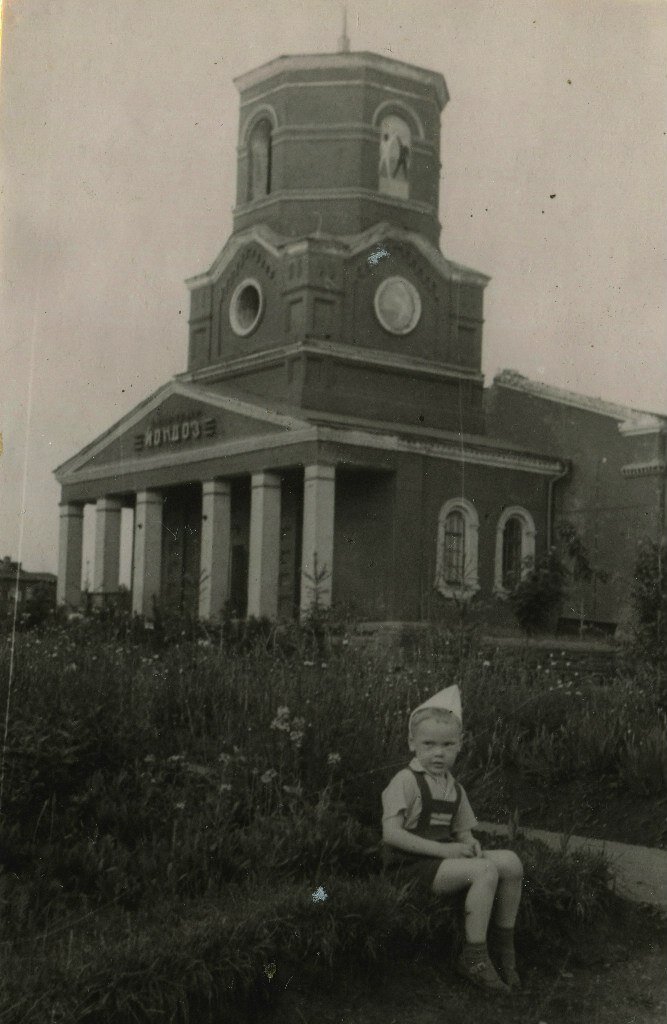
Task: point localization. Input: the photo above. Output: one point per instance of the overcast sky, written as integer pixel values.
(119, 124)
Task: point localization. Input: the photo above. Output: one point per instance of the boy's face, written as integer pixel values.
(436, 745)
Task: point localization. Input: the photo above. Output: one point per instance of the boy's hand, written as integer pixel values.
(459, 850)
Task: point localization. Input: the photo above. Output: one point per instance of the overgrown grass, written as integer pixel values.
(168, 811)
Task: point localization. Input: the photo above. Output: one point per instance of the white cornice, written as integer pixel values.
(343, 62)
(345, 245)
(261, 234)
(376, 358)
(642, 423)
(319, 195)
(335, 132)
(382, 88)
(462, 452)
(447, 268)
(219, 450)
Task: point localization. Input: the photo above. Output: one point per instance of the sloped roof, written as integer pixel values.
(629, 417)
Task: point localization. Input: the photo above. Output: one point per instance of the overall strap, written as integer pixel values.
(427, 801)
(430, 804)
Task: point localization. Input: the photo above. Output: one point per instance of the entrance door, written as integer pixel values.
(291, 524)
(181, 524)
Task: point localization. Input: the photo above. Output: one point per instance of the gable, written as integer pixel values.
(179, 420)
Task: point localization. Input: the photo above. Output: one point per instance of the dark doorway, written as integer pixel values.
(181, 526)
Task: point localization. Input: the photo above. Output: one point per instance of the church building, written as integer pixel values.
(331, 439)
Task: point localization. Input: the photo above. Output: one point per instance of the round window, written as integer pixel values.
(246, 307)
(398, 306)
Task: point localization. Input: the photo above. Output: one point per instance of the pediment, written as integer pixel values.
(178, 420)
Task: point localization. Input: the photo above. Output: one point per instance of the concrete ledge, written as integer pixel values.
(640, 872)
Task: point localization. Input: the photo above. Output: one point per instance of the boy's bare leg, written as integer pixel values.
(480, 877)
(508, 897)
(510, 879)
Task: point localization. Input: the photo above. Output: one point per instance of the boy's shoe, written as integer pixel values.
(510, 976)
(481, 973)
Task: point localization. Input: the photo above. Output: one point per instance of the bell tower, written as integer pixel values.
(338, 142)
(332, 293)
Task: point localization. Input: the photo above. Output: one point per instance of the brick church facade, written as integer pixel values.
(331, 438)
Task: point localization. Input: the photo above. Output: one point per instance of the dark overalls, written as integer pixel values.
(435, 822)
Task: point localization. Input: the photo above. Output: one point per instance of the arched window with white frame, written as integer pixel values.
(457, 546)
(515, 548)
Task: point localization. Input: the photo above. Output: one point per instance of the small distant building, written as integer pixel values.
(332, 438)
(28, 585)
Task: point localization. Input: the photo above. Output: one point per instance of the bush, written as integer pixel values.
(535, 600)
(649, 599)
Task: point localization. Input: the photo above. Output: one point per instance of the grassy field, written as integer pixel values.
(171, 802)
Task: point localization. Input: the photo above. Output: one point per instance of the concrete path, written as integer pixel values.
(640, 871)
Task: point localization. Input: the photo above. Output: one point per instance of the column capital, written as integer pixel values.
(109, 505)
(71, 509)
(265, 479)
(319, 471)
(149, 497)
(217, 487)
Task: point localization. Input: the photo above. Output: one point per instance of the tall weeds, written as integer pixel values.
(143, 776)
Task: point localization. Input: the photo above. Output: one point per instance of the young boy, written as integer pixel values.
(426, 828)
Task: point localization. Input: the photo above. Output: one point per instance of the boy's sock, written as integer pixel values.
(502, 942)
(475, 964)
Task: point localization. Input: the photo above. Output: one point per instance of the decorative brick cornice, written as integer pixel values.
(343, 61)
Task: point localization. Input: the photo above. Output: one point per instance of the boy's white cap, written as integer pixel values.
(448, 699)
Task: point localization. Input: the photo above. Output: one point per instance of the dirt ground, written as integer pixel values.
(624, 982)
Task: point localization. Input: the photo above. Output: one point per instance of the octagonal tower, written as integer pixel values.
(338, 142)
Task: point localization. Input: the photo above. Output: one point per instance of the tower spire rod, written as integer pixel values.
(344, 39)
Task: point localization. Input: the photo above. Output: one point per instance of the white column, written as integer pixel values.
(264, 554)
(215, 547)
(317, 546)
(147, 551)
(70, 551)
(107, 545)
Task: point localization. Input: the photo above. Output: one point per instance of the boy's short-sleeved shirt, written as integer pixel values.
(402, 796)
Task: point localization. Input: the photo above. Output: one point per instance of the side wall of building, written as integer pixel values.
(609, 495)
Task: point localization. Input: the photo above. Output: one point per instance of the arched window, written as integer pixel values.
(259, 160)
(457, 549)
(515, 548)
(454, 561)
(395, 157)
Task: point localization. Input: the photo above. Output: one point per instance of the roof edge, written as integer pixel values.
(357, 59)
(630, 420)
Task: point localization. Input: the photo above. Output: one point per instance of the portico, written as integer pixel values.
(239, 519)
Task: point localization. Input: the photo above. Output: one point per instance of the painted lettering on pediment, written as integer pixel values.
(175, 433)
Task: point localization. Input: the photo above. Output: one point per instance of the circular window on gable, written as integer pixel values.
(246, 307)
(398, 306)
